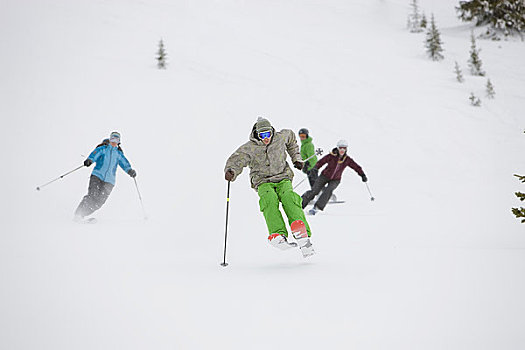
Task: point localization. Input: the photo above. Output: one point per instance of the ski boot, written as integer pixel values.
(301, 235)
(313, 211)
(279, 241)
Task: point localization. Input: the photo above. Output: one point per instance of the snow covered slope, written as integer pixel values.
(437, 261)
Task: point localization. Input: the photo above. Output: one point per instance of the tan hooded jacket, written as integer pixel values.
(266, 163)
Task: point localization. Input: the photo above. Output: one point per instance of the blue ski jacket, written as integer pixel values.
(107, 158)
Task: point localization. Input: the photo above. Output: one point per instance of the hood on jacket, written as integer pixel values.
(254, 137)
(335, 152)
(105, 142)
(263, 125)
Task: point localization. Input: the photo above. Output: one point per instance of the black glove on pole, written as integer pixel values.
(229, 174)
(224, 263)
(58, 178)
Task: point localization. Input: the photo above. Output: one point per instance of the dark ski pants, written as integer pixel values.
(319, 185)
(98, 193)
(312, 176)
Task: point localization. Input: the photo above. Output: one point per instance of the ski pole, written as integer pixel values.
(140, 199)
(307, 159)
(304, 160)
(58, 178)
(299, 183)
(371, 197)
(318, 152)
(224, 263)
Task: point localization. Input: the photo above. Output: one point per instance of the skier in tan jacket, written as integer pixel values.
(271, 176)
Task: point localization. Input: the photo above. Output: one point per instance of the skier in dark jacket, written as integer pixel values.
(308, 152)
(336, 163)
(107, 156)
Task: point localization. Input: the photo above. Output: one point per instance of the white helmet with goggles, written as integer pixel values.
(114, 137)
(342, 144)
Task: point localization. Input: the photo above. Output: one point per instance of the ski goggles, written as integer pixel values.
(343, 148)
(114, 138)
(265, 135)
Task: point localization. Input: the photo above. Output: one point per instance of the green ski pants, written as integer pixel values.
(270, 195)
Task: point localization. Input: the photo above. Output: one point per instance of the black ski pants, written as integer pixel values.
(319, 185)
(98, 193)
(312, 176)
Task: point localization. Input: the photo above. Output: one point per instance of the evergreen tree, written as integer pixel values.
(161, 56)
(433, 42)
(459, 73)
(507, 16)
(474, 101)
(475, 62)
(414, 18)
(490, 89)
(424, 21)
(520, 212)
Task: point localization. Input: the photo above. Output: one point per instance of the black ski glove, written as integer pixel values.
(229, 175)
(132, 173)
(364, 178)
(298, 165)
(88, 162)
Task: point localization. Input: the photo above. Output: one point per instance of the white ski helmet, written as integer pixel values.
(342, 143)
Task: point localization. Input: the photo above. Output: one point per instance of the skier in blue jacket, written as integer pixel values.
(107, 156)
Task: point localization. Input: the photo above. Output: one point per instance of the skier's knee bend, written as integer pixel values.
(96, 205)
(306, 198)
(291, 198)
(318, 187)
(268, 199)
(308, 195)
(327, 191)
